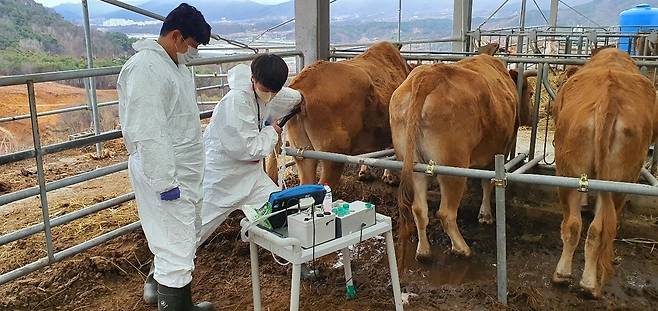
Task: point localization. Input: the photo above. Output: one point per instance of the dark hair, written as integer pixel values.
(189, 21)
(270, 70)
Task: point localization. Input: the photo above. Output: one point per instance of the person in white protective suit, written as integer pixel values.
(162, 132)
(241, 133)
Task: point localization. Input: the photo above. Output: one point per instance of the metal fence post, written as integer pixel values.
(501, 240)
(41, 178)
(91, 84)
(520, 80)
(535, 110)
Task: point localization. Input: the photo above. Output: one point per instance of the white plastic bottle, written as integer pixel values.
(328, 200)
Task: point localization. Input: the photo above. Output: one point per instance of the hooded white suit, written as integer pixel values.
(161, 129)
(236, 142)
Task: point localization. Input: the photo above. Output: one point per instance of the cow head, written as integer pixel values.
(398, 45)
(489, 49)
(599, 49)
(526, 95)
(566, 74)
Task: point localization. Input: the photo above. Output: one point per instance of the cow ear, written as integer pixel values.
(599, 49)
(514, 75)
(489, 49)
(571, 70)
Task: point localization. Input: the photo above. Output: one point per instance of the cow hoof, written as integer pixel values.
(424, 258)
(561, 279)
(365, 176)
(461, 253)
(590, 291)
(391, 180)
(485, 219)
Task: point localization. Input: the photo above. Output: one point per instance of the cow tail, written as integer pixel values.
(421, 86)
(605, 115)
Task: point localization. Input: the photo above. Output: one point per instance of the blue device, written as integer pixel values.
(290, 197)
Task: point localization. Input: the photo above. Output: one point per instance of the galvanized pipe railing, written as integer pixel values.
(410, 54)
(65, 219)
(57, 111)
(555, 181)
(59, 256)
(61, 183)
(106, 71)
(508, 59)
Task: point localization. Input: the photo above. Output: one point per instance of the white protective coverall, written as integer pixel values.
(161, 128)
(235, 148)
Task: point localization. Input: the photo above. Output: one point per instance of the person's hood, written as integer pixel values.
(239, 78)
(149, 44)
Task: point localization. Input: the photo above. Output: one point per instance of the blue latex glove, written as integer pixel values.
(170, 195)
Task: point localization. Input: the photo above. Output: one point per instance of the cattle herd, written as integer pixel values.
(462, 115)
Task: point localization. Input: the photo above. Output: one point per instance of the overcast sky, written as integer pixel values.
(52, 3)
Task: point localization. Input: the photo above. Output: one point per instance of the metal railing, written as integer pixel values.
(38, 152)
(573, 40)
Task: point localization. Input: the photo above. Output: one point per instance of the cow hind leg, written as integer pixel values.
(331, 172)
(485, 216)
(307, 171)
(570, 232)
(452, 190)
(599, 245)
(420, 212)
(272, 163)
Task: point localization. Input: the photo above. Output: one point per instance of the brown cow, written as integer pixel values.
(345, 108)
(460, 115)
(603, 116)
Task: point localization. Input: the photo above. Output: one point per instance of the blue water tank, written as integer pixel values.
(640, 18)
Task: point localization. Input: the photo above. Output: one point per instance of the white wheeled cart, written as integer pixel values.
(290, 250)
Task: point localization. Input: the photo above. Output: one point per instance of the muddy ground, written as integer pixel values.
(110, 276)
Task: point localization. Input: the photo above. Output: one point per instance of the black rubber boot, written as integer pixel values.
(179, 299)
(151, 288)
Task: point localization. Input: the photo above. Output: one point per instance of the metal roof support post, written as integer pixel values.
(399, 19)
(519, 68)
(91, 81)
(312, 29)
(458, 25)
(553, 18)
(467, 19)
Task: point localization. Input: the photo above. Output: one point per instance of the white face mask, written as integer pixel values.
(265, 97)
(191, 54)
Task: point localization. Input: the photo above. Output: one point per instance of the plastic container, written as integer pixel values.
(643, 18)
(328, 200)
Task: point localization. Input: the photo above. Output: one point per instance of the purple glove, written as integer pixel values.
(170, 195)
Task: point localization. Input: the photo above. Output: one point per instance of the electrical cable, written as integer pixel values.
(279, 25)
(540, 11)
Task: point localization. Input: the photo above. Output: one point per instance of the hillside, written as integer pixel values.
(34, 38)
